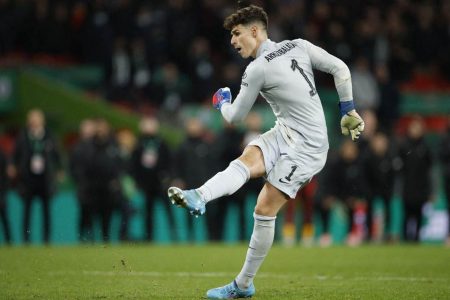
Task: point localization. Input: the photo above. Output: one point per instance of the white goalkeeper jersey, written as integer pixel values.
(283, 74)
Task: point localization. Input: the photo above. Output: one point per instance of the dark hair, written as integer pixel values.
(246, 15)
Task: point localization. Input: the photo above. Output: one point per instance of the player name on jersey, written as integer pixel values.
(283, 50)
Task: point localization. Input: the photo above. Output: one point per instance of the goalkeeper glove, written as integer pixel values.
(351, 122)
(222, 96)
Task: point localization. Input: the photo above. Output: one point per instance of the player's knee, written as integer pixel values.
(259, 211)
(254, 160)
(265, 210)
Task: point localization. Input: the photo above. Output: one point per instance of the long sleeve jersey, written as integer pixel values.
(283, 74)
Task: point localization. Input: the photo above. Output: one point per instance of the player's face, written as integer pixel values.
(243, 39)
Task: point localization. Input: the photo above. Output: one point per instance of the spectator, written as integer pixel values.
(380, 174)
(121, 73)
(389, 109)
(345, 182)
(305, 197)
(36, 161)
(193, 160)
(201, 68)
(142, 73)
(97, 30)
(170, 88)
(365, 37)
(416, 174)
(103, 174)
(232, 77)
(182, 28)
(150, 166)
(365, 87)
(426, 33)
(445, 159)
(336, 37)
(80, 158)
(150, 23)
(126, 142)
(3, 205)
(401, 57)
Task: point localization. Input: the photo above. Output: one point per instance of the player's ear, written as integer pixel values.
(254, 30)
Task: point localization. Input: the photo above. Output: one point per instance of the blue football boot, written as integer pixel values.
(230, 291)
(190, 199)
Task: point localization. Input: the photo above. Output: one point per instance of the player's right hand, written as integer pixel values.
(223, 95)
(353, 124)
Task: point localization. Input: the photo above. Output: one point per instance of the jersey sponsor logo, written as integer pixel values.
(244, 83)
(283, 50)
(244, 75)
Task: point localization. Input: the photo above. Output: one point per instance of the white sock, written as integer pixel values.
(226, 182)
(260, 243)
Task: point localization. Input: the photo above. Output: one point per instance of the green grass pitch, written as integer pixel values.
(147, 271)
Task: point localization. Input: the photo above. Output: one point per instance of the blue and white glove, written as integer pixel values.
(222, 96)
(351, 122)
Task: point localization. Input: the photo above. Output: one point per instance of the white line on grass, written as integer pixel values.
(229, 274)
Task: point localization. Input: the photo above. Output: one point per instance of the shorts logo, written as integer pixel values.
(282, 181)
(288, 178)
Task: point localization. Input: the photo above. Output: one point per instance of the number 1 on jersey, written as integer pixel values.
(294, 66)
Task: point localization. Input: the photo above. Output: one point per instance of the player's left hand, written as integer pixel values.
(353, 124)
(222, 96)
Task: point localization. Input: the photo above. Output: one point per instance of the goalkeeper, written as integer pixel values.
(289, 154)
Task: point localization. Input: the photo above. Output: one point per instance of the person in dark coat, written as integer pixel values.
(416, 173)
(344, 181)
(193, 160)
(444, 155)
(36, 161)
(103, 174)
(3, 206)
(380, 173)
(126, 141)
(150, 166)
(388, 111)
(79, 162)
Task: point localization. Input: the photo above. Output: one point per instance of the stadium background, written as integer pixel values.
(57, 55)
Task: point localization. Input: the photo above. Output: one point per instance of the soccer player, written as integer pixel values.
(289, 154)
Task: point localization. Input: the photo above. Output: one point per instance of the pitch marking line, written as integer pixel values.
(229, 274)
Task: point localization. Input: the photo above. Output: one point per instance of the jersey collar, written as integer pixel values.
(264, 47)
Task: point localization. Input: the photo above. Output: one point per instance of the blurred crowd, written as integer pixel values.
(162, 53)
(157, 55)
(108, 167)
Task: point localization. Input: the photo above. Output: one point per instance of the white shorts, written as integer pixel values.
(289, 166)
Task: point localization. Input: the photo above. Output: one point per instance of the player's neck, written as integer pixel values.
(260, 41)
